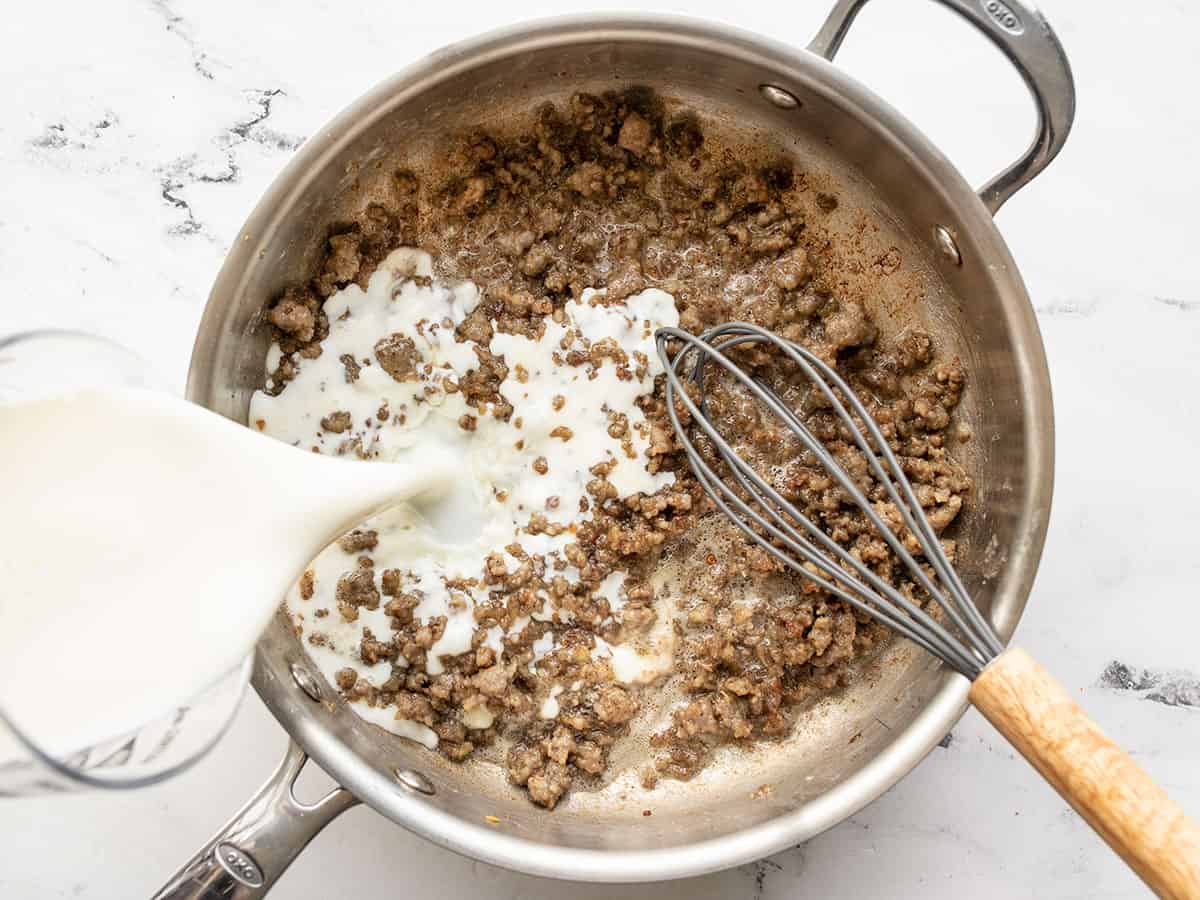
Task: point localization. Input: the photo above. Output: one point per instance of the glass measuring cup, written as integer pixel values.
(39, 364)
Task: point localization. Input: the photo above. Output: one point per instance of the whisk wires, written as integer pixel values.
(775, 523)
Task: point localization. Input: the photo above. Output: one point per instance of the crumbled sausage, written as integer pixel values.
(791, 270)
(523, 762)
(588, 180)
(398, 356)
(547, 785)
(350, 364)
(359, 539)
(636, 134)
(606, 192)
(356, 589)
(293, 317)
(492, 681)
(342, 262)
(615, 705)
(336, 422)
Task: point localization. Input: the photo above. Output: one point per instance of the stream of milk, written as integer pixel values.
(145, 542)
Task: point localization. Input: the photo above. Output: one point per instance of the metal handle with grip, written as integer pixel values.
(1025, 38)
(256, 846)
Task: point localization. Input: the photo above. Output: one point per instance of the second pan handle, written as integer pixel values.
(1026, 39)
(254, 848)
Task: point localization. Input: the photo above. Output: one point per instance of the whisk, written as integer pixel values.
(1025, 704)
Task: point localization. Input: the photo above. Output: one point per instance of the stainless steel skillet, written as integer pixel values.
(963, 285)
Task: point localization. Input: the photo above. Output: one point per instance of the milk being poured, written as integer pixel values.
(145, 542)
(153, 540)
(537, 461)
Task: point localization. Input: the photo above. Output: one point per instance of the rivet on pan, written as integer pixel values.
(305, 681)
(778, 96)
(415, 781)
(946, 243)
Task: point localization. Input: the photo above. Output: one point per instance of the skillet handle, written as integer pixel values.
(1025, 38)
(256, 846)
(1112, 793)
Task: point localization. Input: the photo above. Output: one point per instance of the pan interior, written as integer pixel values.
(888, 199)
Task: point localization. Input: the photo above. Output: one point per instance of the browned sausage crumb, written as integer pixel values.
(294, 317)
(548, 784)
(353, 369)
(615, 705)
(635, 135)
(336, 422)
(355, 589)
(398, 356)
(358, 540)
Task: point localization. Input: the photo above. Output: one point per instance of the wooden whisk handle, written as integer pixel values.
(1099, 779)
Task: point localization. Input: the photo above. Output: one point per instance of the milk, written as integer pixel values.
(535, 461)
(145, 542)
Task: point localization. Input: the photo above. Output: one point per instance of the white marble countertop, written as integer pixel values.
(136, 136)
